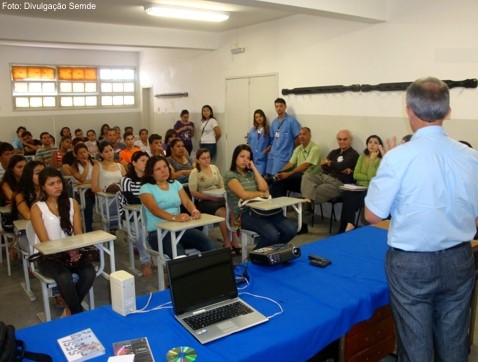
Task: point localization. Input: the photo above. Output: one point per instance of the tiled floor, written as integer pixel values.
(16, 309)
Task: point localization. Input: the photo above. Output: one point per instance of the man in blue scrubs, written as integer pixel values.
(429, 188)
(284, 132)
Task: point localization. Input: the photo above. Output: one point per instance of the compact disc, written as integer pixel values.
(181, 354)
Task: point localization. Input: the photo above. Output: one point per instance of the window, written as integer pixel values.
(67, 87)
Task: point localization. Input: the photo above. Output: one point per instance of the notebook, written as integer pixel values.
(202, 287)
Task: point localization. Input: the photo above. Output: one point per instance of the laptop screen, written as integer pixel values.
(201, 280)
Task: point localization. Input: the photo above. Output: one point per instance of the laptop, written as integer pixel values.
(204, 296)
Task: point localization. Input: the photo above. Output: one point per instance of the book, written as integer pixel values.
(139, 347)
(353, 187)
(81, 346)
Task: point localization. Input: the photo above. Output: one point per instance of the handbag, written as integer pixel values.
(12, 349)
(88, 254)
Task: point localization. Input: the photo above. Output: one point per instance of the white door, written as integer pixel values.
(243, 97)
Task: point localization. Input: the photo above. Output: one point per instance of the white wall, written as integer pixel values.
(421, 38)
(52, 121)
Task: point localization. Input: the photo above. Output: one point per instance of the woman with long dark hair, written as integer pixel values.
(244, 181)
(260, 140)
(29, 192)
(185, 130)
(365, 169)
(180, 161)
(56, 216)
(130, 185)
(162, 198)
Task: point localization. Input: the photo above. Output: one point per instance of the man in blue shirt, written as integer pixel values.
(284, 132)
(429, 188)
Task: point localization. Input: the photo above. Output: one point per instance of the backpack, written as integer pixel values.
(12, 350)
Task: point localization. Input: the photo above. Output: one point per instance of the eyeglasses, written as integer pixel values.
(342, 139)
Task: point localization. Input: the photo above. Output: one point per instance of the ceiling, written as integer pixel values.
(131, 12)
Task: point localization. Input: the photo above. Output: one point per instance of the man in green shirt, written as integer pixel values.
(305, 159)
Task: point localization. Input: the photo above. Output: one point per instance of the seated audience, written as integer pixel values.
(182, 165)
(130, 186)
(142, 142)
(65, 131)
(168, 137)
(305, 159)
(162, 198)
(29, 192)
(82, 169)
(129, 150)
(44, 153)
(365, 170)
(6, 153)
(104, 132)
(113, 139)
(54, 217)
(337, 169)
(155, 145)
(79, 134)
(30, 145)
(244, 182)
(91, 143)
(17, 143)
(106, 172)
(205, 177)
(57, 155)
(69, 157)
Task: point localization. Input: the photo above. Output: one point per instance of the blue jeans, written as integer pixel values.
(274, 229)
(430, 294)
(192, 239)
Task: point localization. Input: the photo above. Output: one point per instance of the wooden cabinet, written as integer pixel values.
(370, 340)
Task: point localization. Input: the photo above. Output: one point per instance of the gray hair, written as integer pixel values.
(429, 99)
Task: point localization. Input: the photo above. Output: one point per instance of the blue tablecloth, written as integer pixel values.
(320, 305)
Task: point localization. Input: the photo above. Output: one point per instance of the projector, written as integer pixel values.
(274, 254)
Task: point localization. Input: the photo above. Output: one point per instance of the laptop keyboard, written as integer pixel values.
(217, 315)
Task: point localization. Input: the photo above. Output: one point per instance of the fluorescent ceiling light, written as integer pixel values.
(179, 12)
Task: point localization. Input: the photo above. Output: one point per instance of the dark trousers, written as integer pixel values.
(72, 293)
(291, 183)
(352, 201)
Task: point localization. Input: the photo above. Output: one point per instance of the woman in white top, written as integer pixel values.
(54, 217)
(210, 131)
(107, 171)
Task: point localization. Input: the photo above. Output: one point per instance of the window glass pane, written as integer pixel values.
(106, 101)
(117, 74)
(105, 74)
(79, 101)
(48, 88)
(22, 102)
(78, 87)
(19, 73)
(66, 87)
(91, 101)
(49, 101)
(20, 87)
(90, 87)
(118, 100)
(129, 100)
(106, 87)
(128, 74)
(129, 87)
(34, 87)
(66, 101)
(117, 87)
(90, 74)
(36, 101)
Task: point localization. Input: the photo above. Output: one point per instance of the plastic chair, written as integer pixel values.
(48, 285)
(333, 216)
(107, 209)
(131, 225)
(4, 237)
(247, 236)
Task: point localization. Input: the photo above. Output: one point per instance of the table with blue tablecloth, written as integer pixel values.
(320, 305)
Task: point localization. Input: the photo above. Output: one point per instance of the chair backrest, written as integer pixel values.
(31, 235)
(119, 198)
(229, 215)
